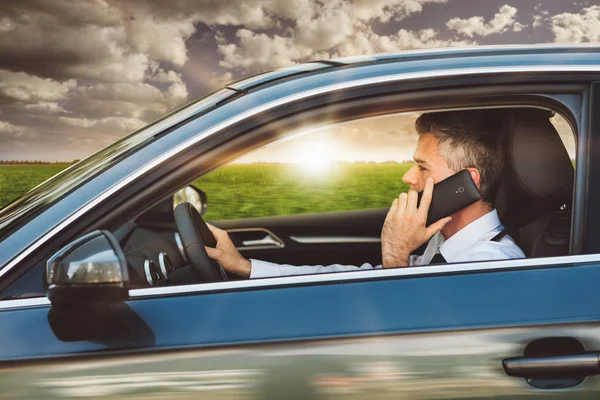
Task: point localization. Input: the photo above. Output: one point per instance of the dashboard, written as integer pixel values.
(155, 256)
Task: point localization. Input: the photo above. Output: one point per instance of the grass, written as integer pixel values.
(258, 190)
(18, 179)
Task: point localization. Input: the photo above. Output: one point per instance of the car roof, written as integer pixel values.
(431, 54)
(469, 51)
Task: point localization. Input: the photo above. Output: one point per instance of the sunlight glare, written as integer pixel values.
(314, 156)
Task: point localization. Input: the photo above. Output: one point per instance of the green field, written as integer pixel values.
(257, 190)
(18, 179)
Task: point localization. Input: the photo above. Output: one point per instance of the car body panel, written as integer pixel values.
(462, 364)
(384, 306)
(422, 337)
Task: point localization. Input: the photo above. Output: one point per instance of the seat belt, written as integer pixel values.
(499, 236)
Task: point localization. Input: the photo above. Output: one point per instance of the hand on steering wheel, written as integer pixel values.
(195, 235)
(227, 255)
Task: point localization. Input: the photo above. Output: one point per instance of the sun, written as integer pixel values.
(314, 157)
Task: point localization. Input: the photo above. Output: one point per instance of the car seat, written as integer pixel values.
(535, 195)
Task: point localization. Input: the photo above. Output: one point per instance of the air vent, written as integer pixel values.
(165, 264)
(152, 272)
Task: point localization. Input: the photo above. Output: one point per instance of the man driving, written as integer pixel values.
(449, 142)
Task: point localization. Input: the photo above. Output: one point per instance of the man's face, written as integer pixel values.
(428, 162)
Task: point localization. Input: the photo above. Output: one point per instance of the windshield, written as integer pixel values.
(54, 188)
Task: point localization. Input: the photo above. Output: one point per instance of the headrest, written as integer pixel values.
(536, 157)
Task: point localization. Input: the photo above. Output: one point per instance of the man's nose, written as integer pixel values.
(410, 177)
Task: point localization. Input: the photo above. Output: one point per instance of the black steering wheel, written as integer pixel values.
(195, 235)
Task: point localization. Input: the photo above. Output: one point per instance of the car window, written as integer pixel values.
(350, 166)
(355, 165)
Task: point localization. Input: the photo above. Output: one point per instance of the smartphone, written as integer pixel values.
(451, 195)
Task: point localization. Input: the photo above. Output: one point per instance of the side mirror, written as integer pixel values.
(194, 196)
(92, 269)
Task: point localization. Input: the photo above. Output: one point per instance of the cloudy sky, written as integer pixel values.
(76, 75)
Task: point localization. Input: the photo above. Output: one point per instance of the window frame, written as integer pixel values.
(465, 268)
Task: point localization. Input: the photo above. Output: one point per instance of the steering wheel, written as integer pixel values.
(195, 235)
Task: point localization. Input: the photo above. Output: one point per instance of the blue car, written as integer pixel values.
(104, 293)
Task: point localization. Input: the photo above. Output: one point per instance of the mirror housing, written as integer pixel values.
(92, 269)
(194, 196)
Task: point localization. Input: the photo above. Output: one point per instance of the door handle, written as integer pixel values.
(267, 241)
(570, 366)
(247, 239)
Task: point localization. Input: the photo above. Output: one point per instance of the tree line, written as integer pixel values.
(35, 162)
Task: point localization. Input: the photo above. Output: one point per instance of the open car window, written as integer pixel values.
(319, 198)
(348, 166)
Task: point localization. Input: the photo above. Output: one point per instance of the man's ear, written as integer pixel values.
(475, 176)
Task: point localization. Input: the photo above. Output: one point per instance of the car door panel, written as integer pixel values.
(351, 237)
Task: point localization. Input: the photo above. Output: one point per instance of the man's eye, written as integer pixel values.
(422, 168)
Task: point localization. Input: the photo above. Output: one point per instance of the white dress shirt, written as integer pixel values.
(471, 243)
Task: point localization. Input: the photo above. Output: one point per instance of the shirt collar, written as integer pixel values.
(462, 240)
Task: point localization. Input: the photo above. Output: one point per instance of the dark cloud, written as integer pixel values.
(77, 75)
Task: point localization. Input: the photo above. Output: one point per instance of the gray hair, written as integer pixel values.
(469, 139)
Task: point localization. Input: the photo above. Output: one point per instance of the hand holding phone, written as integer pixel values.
(451, 195)
(405, 228)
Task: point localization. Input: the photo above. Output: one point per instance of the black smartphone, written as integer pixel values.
(451, 195)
